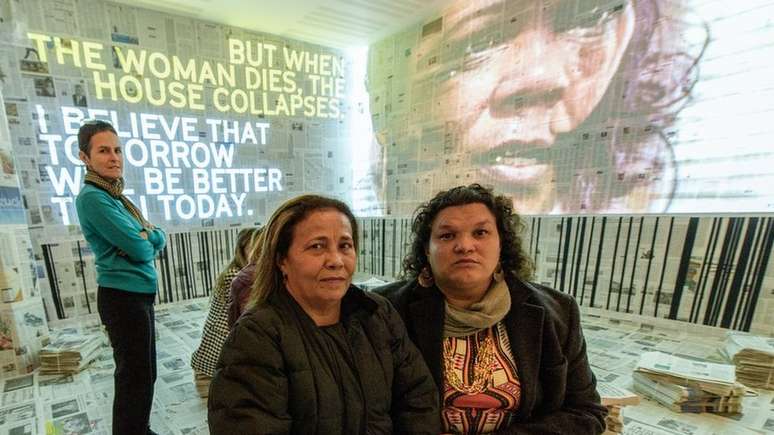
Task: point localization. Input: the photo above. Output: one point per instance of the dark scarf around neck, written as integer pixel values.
(115, 188)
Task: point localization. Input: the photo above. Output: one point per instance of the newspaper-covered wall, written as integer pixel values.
(218, 124)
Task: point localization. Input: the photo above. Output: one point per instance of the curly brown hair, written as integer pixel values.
(513, 258)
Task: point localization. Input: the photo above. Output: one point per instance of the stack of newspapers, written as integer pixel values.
(615, 398)
(70, 352)
(753, 357)
(685, 385)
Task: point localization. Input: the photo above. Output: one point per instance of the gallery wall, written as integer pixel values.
(578, 107)
(648, 115)
(218, 124)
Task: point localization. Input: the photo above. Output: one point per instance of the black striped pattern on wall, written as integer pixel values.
(706, 270)
(187, 268)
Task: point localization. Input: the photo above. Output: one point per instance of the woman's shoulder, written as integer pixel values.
(244, 277)
(265, 319)
(89, 193)
(377, 301)
(550, 294)
(396, 292)
(257, 339)
(232, 271)
(382, 312)
(91, 199)
(559, 306)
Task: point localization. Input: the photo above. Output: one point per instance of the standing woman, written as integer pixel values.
(314, 354)
(125, 246)
(508, 355)
(216, 326)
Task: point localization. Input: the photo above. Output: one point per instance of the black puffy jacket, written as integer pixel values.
(271, 378)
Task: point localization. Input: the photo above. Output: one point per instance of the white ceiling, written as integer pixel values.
(336, 23)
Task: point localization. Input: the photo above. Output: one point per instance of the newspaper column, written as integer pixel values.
(23, 332)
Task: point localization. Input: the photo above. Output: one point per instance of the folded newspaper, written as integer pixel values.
(615, 398)
(753, 357)
(370, 284)
(684, 385)
(70, 352)
(612, 395)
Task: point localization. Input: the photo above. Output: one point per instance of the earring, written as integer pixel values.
(425, 278)
(498, 275)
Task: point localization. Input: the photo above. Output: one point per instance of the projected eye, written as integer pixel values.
(472, 62)
(589, 21)
(447, 73)
(481, 51)
(482, 43)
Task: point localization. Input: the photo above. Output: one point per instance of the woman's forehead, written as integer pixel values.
(104, 138)
(323, 220)
(466, 214)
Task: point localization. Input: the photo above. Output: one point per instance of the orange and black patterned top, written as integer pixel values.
(481, 389)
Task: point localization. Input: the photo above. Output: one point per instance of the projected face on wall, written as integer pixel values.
(562, 105)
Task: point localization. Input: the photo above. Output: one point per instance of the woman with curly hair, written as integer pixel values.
(508, 355)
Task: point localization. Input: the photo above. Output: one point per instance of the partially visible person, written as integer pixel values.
(79, 96)
(243, 283)
(509, 355)
(205, 357)
(314, 354)
(125, 246)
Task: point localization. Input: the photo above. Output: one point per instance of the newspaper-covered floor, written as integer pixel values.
(81, 403)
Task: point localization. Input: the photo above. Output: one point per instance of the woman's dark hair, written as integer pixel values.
(277, 236)
(513, 259)
(88, 129)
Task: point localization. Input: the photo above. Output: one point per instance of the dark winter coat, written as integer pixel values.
(558, 389)
(274, 376)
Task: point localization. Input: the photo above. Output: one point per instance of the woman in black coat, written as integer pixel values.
(509, 356)
(314, 354)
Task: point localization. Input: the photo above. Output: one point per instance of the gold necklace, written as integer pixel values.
(482, 364)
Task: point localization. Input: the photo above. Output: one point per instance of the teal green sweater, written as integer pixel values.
(109, 228)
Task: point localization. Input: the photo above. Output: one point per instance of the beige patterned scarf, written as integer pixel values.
(489, 310)
(115, 189)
